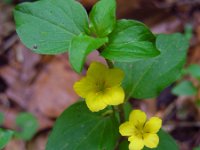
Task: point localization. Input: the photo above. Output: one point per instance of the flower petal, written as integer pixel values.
(83, 87)
(136, 143)
(94, 102)
(97, 71)
(138, 118)
(126, 129)
(153, 125)
(151, 140)
(114, 96)
(114, 77)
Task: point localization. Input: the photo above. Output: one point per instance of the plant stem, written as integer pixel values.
(120, 107)
(110, 63)
(121, 113)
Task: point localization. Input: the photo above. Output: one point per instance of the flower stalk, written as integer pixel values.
(120, 107)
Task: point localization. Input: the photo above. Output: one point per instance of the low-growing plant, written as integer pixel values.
(197, 148)
(187, 87)
(139, 65)
(27, 125)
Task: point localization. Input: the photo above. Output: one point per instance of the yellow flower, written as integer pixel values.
(140, 131)
(101, 87)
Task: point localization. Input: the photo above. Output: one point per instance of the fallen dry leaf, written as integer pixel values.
(53, 92)
(16, 144)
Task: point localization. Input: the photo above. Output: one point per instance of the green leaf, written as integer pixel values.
(188, 31)
(1, 118)
(127, 109)
(185, 88)
(8, 1)
(103, 17)
(196, 148)
(80, 47)
(48, 26)
(27, 124)
(147, 78)
(5, 137)
(194, 70)
(130, 41)
(197, 102)
(166, 142)
(124, 145)
(80, 129)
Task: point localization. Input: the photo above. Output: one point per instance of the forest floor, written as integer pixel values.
(42, 84)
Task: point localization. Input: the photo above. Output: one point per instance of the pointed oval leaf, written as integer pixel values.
(194, 70)
(80, 47)
(80, 129)
(103, 17)
(130, 41)
(185, 88)
(48, 26)
(147, 78)
(27, 124)
(5, 137)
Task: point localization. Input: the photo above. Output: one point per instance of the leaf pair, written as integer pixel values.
(102, 18)
(56, 26)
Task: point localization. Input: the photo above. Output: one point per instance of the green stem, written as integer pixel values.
(120, 107)
(121, 113)
(110, 63)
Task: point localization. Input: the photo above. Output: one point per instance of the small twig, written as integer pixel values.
(8, 43)
(173, 125)
(178, 3)
(188, 124)
(168, 111)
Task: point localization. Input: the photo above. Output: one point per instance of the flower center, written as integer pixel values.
(139, 132)
(100, 86)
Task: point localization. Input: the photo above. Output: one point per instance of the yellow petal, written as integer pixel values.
(138, 118)
(114, 96)
(153, 125)
(97, 71)
(83, 87)
(136, 143)
(126, 129)
(114, 77)
(94, 102)
(151, 140)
